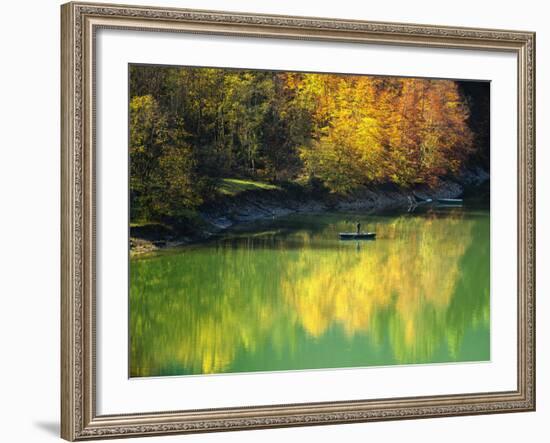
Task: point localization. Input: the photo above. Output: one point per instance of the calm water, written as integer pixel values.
(289, 294)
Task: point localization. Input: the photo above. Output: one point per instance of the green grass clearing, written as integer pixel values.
(234, 186)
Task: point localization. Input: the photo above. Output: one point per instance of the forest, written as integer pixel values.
(198, 133)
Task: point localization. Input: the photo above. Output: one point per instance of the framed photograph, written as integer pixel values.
(283, 221)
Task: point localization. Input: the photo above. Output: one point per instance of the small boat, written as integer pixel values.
(357, 236)
(450, 201)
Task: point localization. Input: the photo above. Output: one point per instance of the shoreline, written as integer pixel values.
(227, 212)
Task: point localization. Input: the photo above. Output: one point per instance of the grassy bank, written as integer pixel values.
(235, 186)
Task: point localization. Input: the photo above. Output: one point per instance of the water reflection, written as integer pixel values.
(290, 295)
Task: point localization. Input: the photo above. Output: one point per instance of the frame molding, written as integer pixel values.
(79, 21)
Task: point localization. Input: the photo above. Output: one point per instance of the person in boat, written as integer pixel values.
(358, 228)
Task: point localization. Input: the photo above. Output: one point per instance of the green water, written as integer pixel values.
(288, 294)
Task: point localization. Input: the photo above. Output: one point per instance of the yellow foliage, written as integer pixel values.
(384, 129)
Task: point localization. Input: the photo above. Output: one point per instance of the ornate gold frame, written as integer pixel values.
(79, 22)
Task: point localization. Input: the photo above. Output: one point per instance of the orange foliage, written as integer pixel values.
(374, 130)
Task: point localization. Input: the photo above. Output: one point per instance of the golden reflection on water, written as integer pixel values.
(412, 292)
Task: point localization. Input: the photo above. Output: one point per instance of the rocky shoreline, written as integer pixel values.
(224, 213)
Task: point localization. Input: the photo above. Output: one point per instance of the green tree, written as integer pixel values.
(162, 176)
(148, 134)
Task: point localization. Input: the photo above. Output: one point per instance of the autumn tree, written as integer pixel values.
(371, 130)
(162, 178)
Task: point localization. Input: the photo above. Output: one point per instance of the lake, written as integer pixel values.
(287, 294)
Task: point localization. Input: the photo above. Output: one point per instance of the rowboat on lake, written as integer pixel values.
(357, 236)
